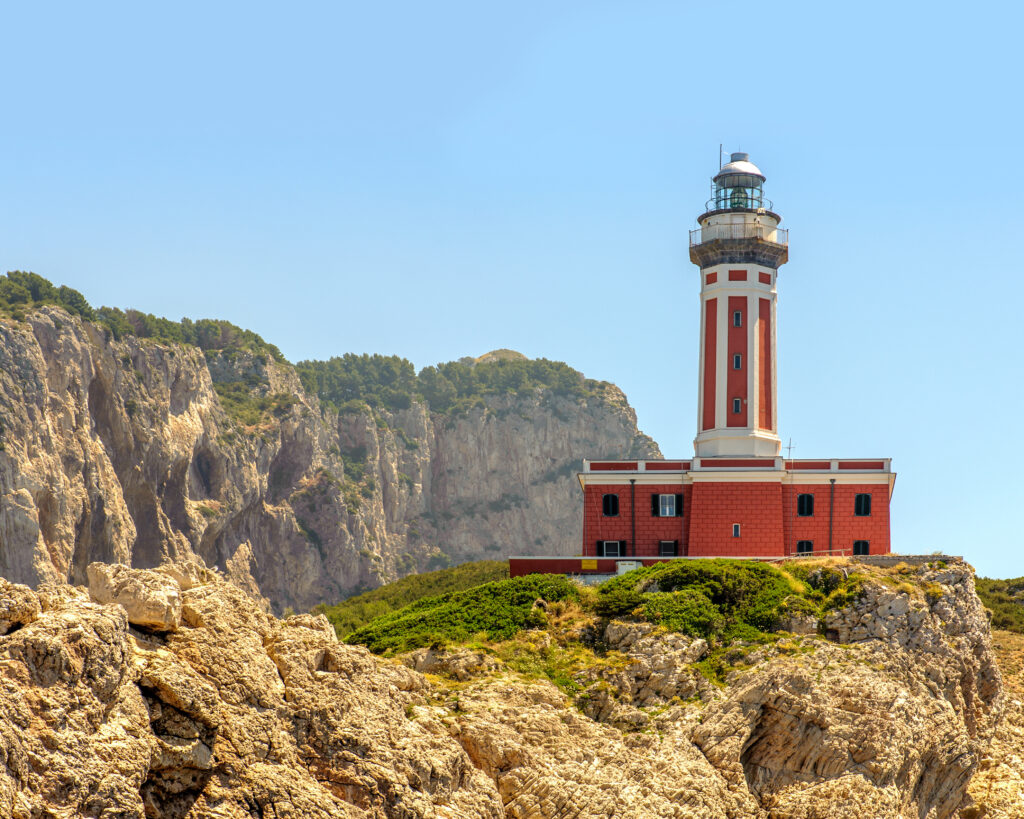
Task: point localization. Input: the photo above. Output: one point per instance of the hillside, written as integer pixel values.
(718, 689)
(1005, 599)
(128, 437)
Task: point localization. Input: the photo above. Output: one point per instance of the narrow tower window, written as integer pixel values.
(805, 505)
(737, 361)
(737, 318)
(862, 505)
(610, 506)
(861, 547)
(735, 530)
(804, 547)
(737, 405)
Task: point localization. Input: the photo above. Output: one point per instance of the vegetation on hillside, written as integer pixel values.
(497, 610)
(21, 292)
(351, 382)
(354, 612)
(1005, 599)
(720, 600)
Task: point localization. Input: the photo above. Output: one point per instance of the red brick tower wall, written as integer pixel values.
(736, 380)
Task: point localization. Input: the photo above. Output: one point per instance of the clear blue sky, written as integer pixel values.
(438, 180)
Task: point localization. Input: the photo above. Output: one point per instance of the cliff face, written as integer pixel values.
(166, 693)
(137, 452)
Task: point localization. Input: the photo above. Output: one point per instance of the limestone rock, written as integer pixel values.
(18, 606)
(458, 665)
(236, 712)
(121, 451)
(151, 599)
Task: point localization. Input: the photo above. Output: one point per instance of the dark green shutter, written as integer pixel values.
(656, 506)
(679, 506)
(600, 548)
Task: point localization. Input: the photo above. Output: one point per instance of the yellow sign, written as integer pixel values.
(588, 564)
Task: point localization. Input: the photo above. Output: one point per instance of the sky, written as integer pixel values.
(440, 180)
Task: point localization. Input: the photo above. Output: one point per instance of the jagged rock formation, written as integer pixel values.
(233, 713)
(121, 451)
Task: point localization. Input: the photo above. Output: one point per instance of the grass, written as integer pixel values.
(356, 611)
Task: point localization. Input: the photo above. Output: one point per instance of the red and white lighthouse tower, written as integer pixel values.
(737, 496)
(739, 248)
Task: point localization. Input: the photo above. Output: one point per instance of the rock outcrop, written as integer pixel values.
(123, 452)
(233, 713)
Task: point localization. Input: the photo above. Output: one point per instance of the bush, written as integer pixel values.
(721, 600)
(499, 610)
(1005, 599)
(362, 608)
(688, 610)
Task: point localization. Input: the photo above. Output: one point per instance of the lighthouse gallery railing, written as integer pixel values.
(767, 233)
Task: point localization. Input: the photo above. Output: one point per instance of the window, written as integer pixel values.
(737, 405)
(862, 505)
(805, 505)
(737, 361)
(735, 530)
(861, 547)
(666, 506)
(804, 547)
(610, 505)
(737, 318)
(611, 548)
(668, 548)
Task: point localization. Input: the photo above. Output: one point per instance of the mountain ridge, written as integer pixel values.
(138, 449)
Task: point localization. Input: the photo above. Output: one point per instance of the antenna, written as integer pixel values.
(719, 156)
(789, 450)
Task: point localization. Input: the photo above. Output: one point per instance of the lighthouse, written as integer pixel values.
(739, 248)
(736, 496)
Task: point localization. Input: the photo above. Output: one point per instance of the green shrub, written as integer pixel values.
(1005, 599)
(362, 608)
(498, 610)
(687, 610)
(723, 600)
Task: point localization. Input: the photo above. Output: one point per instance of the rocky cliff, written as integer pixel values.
(166, 693)
(139, 452)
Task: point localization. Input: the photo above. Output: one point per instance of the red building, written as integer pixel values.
(736, 497)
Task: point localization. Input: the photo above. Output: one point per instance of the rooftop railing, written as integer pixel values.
(744, 230)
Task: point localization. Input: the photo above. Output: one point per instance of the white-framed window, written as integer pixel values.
(613, 548)
(737, 405)
(737, 361)
(667, 506)
(735, 530)
(737, 318)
